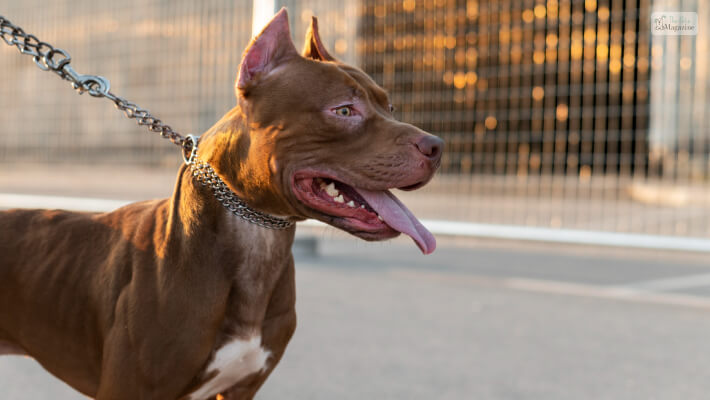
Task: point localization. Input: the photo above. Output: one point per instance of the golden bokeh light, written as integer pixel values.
(614, 66)
(460, 80)
(540, 11)
(603, 13)
(551, 55)
(408, 5)
(491, 122)
(562, 112)
(590, 35)
(460, 56)
(551, 40)
(629, 60)
(534, 161)
(585, 173)
(516, 54)
(552, 9)
(504, 36)
(472, 9)
(471, 57)
(602, 52)
(528, 16)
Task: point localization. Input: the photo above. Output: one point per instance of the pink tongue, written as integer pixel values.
(398, 216)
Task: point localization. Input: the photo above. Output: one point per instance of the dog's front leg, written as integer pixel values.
(277, 329)
(280, 328)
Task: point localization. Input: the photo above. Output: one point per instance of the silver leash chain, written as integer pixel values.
(49, 58)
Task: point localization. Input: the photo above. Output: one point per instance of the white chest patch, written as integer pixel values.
(233, 361)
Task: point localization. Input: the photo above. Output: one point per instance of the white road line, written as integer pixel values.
(572, 236)
(621, 293)
(452, 228)
(676, 283)
(617, 293)
(11, 200)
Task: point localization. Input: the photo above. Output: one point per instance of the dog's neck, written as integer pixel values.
(236, 156)
(196, 213)
(228, 148)
(234, 161)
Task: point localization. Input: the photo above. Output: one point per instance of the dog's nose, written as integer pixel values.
(430, 146)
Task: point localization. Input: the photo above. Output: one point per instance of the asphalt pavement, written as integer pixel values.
(479, 320)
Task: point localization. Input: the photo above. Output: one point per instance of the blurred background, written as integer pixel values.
(558, 114)
(564, 121)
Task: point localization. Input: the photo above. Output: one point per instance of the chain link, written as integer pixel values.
(205, 174)
(49, 58)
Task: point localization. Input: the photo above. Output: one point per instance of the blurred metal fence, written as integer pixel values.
(561, 114)
(176, 58)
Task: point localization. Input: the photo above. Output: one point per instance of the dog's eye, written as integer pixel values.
(344, 111)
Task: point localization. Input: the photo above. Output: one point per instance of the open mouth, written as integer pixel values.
(371, 215)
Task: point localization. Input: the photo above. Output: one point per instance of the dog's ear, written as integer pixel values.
(267, 50)
(313, 47)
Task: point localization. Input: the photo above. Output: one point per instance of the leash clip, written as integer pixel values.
(95, 85)
(189, 149)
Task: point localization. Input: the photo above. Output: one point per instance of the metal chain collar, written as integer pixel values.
(205, 174)
(49, 58)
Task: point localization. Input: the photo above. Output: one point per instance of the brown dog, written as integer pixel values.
(181, 299)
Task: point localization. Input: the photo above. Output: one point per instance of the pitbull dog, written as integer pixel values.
(181, 299)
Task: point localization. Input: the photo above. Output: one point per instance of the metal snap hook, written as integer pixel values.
(97, 86)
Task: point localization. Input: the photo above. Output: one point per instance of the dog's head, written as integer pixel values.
(320, 141)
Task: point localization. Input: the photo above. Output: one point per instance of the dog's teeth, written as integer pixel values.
(339, 199)
(351, 203)
(331, 190)
(380, 218)
(362, 206)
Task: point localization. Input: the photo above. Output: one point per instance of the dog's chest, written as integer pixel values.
(261, 255)
(232, 362)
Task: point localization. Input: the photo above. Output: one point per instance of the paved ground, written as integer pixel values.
(480, 320)
(476, 320)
